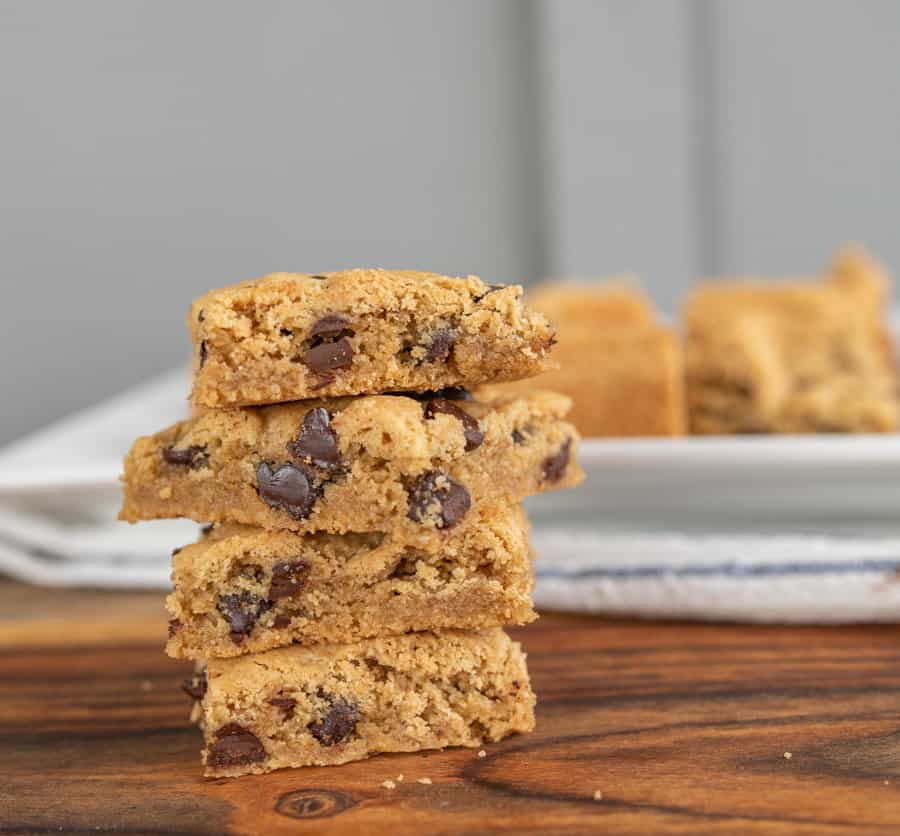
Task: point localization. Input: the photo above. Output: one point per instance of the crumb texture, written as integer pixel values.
(292, 336)
(332, 704)
(415, 466)
(244, 590)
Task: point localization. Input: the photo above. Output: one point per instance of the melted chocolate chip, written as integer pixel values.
(193, 457)
(241, 610)
(518, 437)
(174, 627)
(202, 353)
(286, 704)
(441, 344)
(317, 441)
(281, 622)
(285, 332)
(338, 723)
(289, 488)
(330, 325)
(195, 687)
(234, 746)
(435, 491)
(492, 288)
(553, 467)
(472, 432)
(319, 277)
(288, 578)
(450, 393)
(328, 357)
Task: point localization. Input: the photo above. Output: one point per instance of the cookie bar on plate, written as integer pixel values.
(372, 463)
(291, 336)
(621, 368)
(330, 704)
(243, 589)
(793, 357)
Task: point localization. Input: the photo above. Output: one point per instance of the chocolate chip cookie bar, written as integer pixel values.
(293, 336)
(793, 357)
(399, 464)
(330, 704)
(623, 371)
(243, 589)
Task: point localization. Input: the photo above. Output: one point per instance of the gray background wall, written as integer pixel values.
(151, 150)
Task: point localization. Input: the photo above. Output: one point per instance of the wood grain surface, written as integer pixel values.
(683, 728)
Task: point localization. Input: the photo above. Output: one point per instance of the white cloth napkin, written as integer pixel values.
(59, 494)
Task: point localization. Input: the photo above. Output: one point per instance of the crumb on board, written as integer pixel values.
(788, 755)
(428, 781)
(389, 784)
(400, 778)
(482, 753)
(598, 796)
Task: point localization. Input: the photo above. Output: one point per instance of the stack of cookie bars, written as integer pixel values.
(365, 543)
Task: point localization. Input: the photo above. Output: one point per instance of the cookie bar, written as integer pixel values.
(622, 370)
(243, 589)
(793, 357)
(293, 336)
(330, 704)
(376, 463)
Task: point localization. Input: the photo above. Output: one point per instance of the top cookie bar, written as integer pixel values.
(292, 336)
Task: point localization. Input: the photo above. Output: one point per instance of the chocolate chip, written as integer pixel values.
(174, 627)
(450, 393)
(490, 289)
(472, 432)
(288, 578)
(434, 488)
(338, 723)
(319, 277)
(518, 437)
(330, 325)
(329, 357)
(235, 746)
(202, 352)
(193, 457)
(285, 332)
(281, 622)
(200, 316)
(177, 550)
(440, 345)
(195, 687)
(287, 704)
(206, 530)
(554, 466)
(289, 488)
(317, 442)
(241, 610)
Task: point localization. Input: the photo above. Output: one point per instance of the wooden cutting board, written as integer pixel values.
(682, 728)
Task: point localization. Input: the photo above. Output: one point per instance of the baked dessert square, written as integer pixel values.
(409, 465)
(793, 356)
(244, 590)
(623, 371)
(330, 704)
(293, 336)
